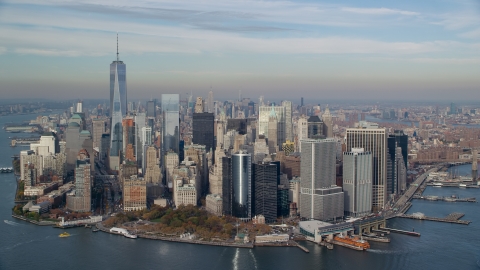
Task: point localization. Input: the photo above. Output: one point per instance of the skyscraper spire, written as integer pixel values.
(117, 47)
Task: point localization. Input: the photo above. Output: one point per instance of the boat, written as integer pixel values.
(329, 246)
(123, 232)
(88, 226)
(95, 229)
(462, 185)
(353, 242)
(64, 234)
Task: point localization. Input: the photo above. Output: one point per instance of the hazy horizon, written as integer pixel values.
(356, 50)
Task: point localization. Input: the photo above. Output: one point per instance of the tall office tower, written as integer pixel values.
(394, 140)
(320, 198)
(216, 173)
(199, 105)
(134, 194)
(171, 161)
(265, 187)
(372, 139)
(474, 165)
(357, 182)
(146, 141)
(210, 107)
(203, 130)
(76, 139)
(153, 173)
(104, 147)
(453, 108)
(242, 185)
(302, 132)
(301, 102)
(118, 109)
(79, 108)
(80, 201)
(288, 120)
(283, 122)
(401, 172)
(315, 128)
(328, 123)
(220, 132)
(152, 109)
(272, 132)
(118, 87)
(227, 185)
(128, 126)
(140, 123)
(98, 128)
(171, 123)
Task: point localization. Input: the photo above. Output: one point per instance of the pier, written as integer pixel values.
(454, 184)
(402, 232)
(451, 218)
(24, 141)
(444, 199)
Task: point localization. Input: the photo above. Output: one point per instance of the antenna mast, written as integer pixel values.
(117, 48)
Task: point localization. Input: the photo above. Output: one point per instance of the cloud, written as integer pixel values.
(46, 52)
(3, 50)
(379, 11)
(474, 34)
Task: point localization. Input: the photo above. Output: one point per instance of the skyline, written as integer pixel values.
(281, 49)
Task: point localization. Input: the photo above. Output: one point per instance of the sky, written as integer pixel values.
(357, 50)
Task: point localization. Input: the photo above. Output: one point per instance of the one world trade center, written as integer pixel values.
(118, 109)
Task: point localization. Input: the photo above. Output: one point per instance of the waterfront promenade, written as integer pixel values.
(182, 240)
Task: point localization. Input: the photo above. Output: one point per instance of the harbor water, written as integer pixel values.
(441, 245)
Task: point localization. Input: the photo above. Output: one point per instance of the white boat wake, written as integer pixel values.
(11, 223)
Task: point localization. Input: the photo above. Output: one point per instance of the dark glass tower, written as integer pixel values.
(265, 182)
(203, 130)
(242, 185)
(397, 139)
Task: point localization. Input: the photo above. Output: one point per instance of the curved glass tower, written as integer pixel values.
(242, 185)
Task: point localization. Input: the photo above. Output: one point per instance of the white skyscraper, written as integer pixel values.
(372, 139)
(320, 198)
(357, 182)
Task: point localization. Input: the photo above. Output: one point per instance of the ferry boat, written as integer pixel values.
(123, 232)
(64, 234)
(352, 241)
(437, 184)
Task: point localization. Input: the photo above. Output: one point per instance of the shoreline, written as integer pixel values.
(290, 243)
(171, 239)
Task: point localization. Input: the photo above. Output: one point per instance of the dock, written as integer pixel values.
(303, 248)
(451, 218)
(445, 199)
(444, 184)
(402, 232)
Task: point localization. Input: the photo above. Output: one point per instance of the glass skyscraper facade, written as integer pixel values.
(171, 122)
(118, 109)
(242, 185)
(118, 86)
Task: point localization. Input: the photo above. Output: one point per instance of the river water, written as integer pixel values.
(441, 246)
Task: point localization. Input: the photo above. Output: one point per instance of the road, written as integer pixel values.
(407, 196)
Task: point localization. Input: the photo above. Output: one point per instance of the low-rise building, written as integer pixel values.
(272, 238)
(214, 204)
